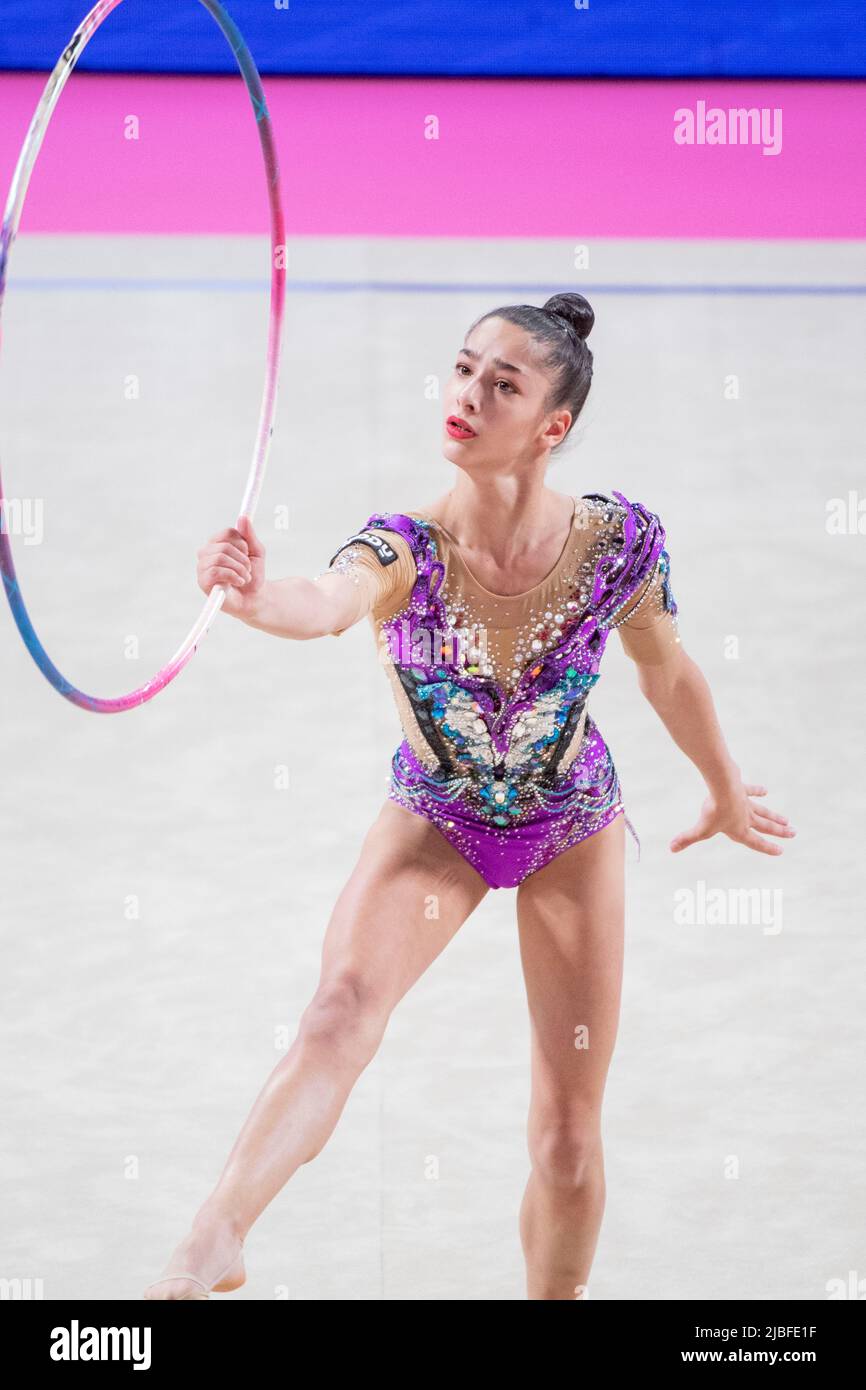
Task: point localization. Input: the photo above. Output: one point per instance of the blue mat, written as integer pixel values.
(537, 38)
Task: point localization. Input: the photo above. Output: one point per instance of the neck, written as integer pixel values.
(503, 517)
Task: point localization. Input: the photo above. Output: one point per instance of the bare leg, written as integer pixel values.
(407, 896)
(571, 918)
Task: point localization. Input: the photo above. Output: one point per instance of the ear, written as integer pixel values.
(558, 427)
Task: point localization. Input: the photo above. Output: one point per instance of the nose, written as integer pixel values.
(466, 399)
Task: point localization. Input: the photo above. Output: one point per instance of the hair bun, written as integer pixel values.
(575, 309)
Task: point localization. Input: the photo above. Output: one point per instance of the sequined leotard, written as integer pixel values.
(499, 749)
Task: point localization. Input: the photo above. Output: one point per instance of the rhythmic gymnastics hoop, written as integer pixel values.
(8, 232)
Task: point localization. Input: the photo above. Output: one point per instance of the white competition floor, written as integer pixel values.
(163, 899)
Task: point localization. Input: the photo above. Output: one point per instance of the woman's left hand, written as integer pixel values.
(738, 818)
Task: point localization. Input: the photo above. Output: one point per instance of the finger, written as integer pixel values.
(219, 557)
(245, 526)
(754, 789)
(772, 827)
(219, 574)
(230, 533)
(771, 815)
(754, 841)
(225, 548)
(688, 837)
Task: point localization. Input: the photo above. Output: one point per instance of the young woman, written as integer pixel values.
(492, 607)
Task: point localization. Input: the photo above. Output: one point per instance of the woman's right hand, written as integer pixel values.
(234, 558)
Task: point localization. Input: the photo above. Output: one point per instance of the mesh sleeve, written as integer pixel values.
(381, 566)
(649, 628)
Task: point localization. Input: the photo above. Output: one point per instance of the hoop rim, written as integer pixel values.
(255, 478)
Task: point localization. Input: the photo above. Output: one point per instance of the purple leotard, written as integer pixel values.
(496, 792)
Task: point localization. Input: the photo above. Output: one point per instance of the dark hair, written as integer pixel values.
(562, 324)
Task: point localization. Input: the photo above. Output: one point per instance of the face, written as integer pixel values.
(498, 387)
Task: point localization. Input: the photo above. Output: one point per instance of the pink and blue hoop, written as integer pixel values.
(8, 231)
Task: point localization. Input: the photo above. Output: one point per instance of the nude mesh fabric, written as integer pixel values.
(506, 626)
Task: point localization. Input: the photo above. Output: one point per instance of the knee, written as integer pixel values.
(566, 1153)
(344, 1014)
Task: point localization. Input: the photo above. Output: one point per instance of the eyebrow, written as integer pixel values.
(497, 361)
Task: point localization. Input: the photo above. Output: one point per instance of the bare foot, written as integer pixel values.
(213, 1252)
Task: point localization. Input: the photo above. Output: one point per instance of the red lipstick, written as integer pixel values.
(458, 429)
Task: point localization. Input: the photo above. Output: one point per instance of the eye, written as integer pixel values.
(461, 367)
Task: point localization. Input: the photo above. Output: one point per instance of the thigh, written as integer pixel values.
(406, 897)
(571, 917)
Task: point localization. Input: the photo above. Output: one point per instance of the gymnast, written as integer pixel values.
(491, 608)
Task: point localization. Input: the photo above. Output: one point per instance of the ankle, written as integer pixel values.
(211, 1215)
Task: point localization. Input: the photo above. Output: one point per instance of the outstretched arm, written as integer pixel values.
(295, 607)
(303, 608)
(298, 607)
(679, 693)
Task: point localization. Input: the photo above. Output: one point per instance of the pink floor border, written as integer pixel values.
(567, 158)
